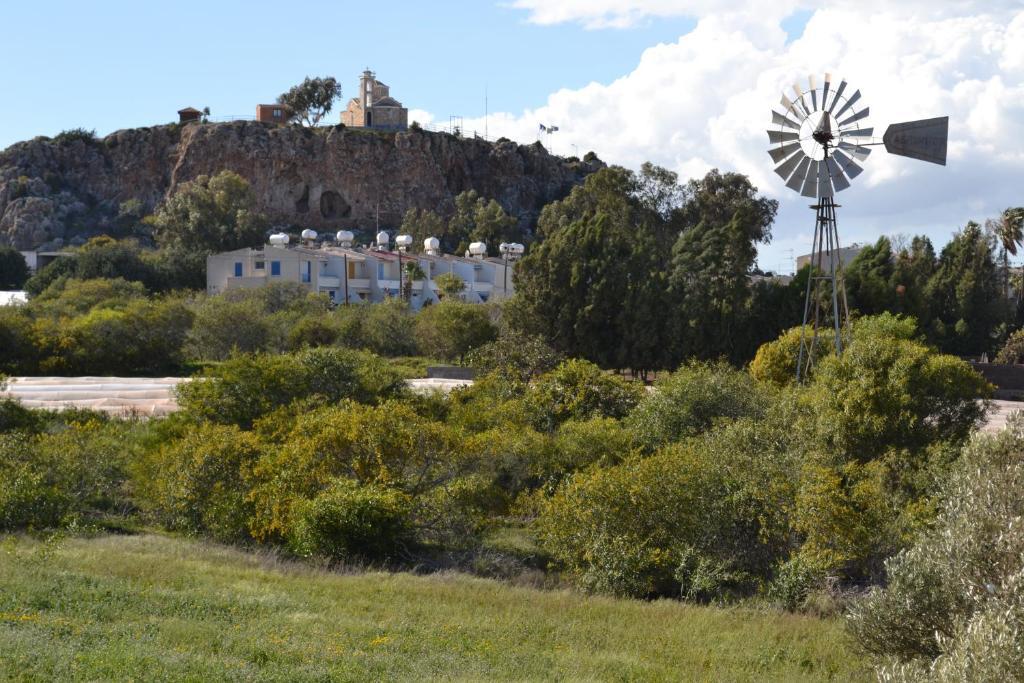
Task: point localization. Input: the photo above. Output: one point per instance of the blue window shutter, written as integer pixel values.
(275, 267)
(238, 269)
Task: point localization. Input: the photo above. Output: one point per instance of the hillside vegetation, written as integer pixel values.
(152, 608)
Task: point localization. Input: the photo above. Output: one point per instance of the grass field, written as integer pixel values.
(155, 608)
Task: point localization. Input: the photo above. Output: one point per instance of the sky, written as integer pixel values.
(686, 84)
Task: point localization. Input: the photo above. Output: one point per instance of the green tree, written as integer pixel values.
(516, 356)
(421, 224)
(493, 226)
(13, 268)
(912, 271)
(412, 272)
(595, 286)
(210, 214)
(311, 100)
(476, 219)
(450, 285)
(964, 291)
(723, 221)
(450, 329)
(1008, 230)
(869, 279)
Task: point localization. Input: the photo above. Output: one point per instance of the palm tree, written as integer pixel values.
(412, 272)
(1009, 230)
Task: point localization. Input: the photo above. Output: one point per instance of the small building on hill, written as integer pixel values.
(272, 113)
(374, 107)
(189, 114)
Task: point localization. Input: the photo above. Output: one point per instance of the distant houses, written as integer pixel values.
(375, 273)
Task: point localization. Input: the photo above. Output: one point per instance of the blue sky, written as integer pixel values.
(687, 84)
(110, 65)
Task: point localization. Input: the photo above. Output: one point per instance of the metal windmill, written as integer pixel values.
(816, 144)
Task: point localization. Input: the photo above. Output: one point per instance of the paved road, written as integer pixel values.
(997, 416)
(133, 395)
(154, 396)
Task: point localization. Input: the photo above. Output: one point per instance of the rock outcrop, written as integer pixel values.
(62, 191)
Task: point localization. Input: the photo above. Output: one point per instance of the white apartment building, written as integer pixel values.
(358, 274)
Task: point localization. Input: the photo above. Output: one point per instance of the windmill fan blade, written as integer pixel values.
(924, 140)
(849, 103)
(797, 180)
(775, 136)
(839, 93)
(848, 165)
(799, 100)
(856, 117)
(780, 120)
(810, 188)
(789, 165)
(814, 92)
(789, 105)
(824, 184)
(838, 179)
(856, 150)
(780, 153)
(824, 92)
(860, 132)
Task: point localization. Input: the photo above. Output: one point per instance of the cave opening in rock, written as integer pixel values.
(302, 203)
(333, 206)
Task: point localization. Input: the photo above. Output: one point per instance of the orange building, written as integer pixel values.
(272, 113)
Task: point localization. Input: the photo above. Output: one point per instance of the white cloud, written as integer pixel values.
(704, 101)
(599, 14)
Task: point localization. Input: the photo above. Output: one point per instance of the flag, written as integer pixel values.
(542, 127)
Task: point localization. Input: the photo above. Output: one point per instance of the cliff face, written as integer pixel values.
(54, 192)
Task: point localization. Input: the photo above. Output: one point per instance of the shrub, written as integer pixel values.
(18, 342)
(312, 330)
(578, 389)
(451, 329)
(647, 526)
(515, 356)
(249, 386)
(890, 393)
(13, 268)
(952, 608)
(144, 338)
(793, 583)
(691, 400)
(199, 483)
(71, 297)
(348, 521)
(775, 362)
(843, 512)
(387, 445)
(223, 327)
(49, 478)
(389, 329)
(66, 137)
(1012, 352)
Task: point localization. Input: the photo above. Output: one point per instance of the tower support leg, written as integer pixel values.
(825, 296)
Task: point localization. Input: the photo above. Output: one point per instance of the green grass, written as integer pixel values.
(156, 608)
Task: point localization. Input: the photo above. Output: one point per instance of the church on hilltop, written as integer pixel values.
(374, 107)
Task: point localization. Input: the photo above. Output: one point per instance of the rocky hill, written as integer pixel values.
(60, 191)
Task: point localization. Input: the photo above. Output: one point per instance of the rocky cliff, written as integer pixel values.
(62, 191)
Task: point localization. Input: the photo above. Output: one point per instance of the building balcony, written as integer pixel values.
(329, 281)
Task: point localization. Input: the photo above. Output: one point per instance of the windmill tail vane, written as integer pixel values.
(818, 142)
